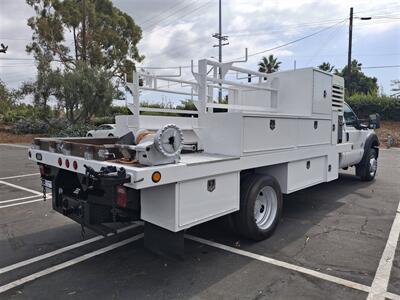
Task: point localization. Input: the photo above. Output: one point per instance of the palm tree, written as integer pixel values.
(268, 64)
(325, 66)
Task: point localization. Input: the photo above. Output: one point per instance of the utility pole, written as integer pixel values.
(349, 50)
(220, 39)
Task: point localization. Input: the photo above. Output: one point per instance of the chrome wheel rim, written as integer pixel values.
(265, 208)
(373, 165)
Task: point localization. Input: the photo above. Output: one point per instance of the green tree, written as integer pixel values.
(103, 36)
(326, 66)
(104, 47)
(43, 87)
(268, 64)
(359, 82)
(7, 98)
(84, 92)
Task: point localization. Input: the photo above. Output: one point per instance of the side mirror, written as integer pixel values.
(357, 124)
(374, 121)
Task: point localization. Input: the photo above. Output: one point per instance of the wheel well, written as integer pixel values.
(274, 171)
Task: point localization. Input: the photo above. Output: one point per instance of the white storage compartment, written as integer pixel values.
(182, 205)
(313, 132)
(306, 172)
(322, 93)
(261, 134)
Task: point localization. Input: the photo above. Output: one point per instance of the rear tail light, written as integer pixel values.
(60, 161)
(75, 165)
(67, 163)
(122, 197)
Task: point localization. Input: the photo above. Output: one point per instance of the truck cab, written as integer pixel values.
(364, 150)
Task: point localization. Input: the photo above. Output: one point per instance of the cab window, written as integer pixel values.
(349, 116)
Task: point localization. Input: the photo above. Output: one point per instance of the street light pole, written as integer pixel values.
(348, 75)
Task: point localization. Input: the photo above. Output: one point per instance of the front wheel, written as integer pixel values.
(367, 170)
(260, 207)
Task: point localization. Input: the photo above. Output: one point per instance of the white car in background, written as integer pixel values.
(104, 130)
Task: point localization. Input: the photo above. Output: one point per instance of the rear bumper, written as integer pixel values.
(91, 206)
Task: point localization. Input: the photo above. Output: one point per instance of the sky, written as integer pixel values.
(177, 31)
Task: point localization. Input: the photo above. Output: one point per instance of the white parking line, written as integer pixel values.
(20, 187)
(272, 261)
(382, 275)
(18, 199)
(68, 263)
(16, 145)
(18, 176)
(21, 203)
(64, 249)
(22, 198)
(389, 295)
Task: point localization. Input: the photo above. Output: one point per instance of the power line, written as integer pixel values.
(283, 45)
(296, 40)
(283, 27)
(153, 26)
(163, 13)
(324, 44)
(381, 67)
(19, 58)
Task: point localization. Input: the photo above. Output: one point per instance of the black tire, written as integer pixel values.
(90, 135)
(245, 221)
(366, 170)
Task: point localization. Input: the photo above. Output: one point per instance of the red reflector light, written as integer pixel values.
(75, 165)
(122, 197)
(60, 161)
(67, 163)
(42, 171)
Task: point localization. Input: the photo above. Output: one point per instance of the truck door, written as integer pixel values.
(354, 135)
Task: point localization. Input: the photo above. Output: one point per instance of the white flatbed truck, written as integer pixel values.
(282, 133)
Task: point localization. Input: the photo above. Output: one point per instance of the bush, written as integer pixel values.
(24, 111)
(29, 126)
(102, 120)
(20, 112)
(364, 105)
(118, 110)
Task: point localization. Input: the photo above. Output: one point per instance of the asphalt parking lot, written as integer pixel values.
(338, 240)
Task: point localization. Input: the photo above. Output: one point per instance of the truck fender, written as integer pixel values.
(371, 142)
